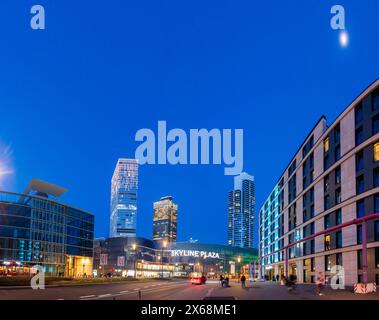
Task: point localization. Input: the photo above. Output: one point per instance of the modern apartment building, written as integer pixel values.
(332, 179)
(165, 221)
(123, 220)
(241, 203)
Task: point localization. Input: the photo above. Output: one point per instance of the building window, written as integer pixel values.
(328, 263)
(313, 268)
(359, 136)
(326, 202)
(359, 234)
(358, 114)
(339, 239)
(338, 217)
(360, 184)
(359, 161)
(338, 195)
(376, 177)
(377, 257)
(326, 145)
(377, 230)
(360, 209)
(337, 133)
(327, 221)
(327, 242)
(326, 162)
(376, 151)
(312, 211)
(339, 259)
(312, 246)
(338, 175)
(375, 125)
(376, 203)
(375, 100)
(337, 153)
(359, 259)
(326, 184)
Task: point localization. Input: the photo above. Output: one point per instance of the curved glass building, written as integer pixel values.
(37, 230)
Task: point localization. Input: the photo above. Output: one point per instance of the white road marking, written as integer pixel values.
(104, 295)
(90, 296)
(209, 292)
(126, 291)
(137, 289)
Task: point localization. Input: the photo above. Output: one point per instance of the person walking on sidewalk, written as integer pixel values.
(320, 281)
(243, 281)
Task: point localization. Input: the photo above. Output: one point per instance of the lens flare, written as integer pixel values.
(6, 169)
(344, 39)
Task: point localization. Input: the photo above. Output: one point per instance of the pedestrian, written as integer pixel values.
(320, 283)
(222, 280)
(277, 278)
(243, 280)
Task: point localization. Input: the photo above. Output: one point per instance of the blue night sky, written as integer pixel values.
(73, 96)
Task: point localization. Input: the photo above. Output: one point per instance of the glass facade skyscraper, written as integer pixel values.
(123, 220)
(165, 220)
(241, 203)
(37, 230)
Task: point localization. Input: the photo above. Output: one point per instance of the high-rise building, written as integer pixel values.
(321, 212)
(165, 220)
(241, 203)
(123, 221)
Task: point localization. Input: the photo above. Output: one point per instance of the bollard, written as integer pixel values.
(139, 295)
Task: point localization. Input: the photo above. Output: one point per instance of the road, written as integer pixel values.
(177, 290)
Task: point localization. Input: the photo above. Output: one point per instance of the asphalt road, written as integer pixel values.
(177, 290)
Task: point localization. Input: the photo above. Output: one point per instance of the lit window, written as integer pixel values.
(327, 242)
(376, 151)
(326, 145)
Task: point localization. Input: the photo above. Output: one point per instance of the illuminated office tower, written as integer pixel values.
(165, 220)
(123, 220)
(241, 203)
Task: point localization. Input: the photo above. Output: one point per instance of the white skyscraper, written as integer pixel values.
(241, 203)
(123, 220)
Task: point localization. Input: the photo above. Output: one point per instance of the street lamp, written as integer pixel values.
(164, 244)
(238, 266)
(134, 247)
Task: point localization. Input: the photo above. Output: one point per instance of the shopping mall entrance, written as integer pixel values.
(78, 266)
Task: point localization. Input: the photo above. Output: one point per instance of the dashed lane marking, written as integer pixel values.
(86, 297)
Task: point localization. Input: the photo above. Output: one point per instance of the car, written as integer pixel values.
(198, 278)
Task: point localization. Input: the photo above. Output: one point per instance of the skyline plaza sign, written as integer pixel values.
(195, 254)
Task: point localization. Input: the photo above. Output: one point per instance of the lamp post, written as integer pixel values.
(238, 267)
(164, 244)
(134, 246)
